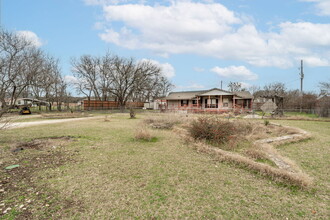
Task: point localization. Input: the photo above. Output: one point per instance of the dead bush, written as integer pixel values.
(214, 130)
(131, 113)
(143, 134)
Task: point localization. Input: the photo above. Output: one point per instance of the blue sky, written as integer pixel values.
(198, 43)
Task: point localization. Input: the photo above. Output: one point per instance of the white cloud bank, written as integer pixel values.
(322, 6)
(235, 72)
(167, 69)
(213, 30)
(30, 36)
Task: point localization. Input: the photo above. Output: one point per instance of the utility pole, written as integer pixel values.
(0, 14)
(301, 83)
(220, 83)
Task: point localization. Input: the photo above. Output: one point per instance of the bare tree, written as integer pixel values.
(253, 89)
(25, 69)
(21, 64)
(325, 88)
(87, 69)
(124, 79)
(276, 88)
(235, 87)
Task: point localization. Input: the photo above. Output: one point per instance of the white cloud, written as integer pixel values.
(167, 69)
(30, 36)
(235, 72)
(70, 79)
(213, 30)
(323, 6)
(245, 85)
(316, 61)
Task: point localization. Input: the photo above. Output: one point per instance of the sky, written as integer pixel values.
(198, 44)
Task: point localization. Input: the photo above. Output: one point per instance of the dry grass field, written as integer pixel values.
(101, 169)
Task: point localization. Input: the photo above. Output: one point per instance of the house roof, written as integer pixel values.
(211, 92)
(216, 91)
(184, 95)
(244, 95)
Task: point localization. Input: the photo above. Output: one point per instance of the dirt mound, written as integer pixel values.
(43, 143)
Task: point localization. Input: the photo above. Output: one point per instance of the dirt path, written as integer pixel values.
(278, 159)
(45, 122)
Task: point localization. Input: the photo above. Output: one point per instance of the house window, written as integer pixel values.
(194, 102)
(211, 103)
(184, 102)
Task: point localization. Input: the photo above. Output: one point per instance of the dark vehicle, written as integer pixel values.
(25, 111)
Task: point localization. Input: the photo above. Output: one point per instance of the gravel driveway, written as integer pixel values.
(45, 122)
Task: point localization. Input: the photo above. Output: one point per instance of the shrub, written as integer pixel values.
(266, 122)
(131, 113)
(143, 134)
(212, 129)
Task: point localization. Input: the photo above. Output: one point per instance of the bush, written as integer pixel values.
(143, 134)
(266, 122)
(131, 113)
(212, 129)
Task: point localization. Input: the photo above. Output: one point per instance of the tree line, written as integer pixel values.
(28, 71)
(292, 99)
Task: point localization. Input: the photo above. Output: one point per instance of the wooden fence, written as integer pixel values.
(104, 105)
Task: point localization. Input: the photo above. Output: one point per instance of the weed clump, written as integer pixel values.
(266, 122)
(143, 134)
(131, 113)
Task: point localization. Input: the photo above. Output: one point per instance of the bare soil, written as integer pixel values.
(20, 191)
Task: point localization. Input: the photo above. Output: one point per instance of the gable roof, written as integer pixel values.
(216, 91)
(184, 95)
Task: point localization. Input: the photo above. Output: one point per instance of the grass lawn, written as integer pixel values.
(102, 173)
(302, 114)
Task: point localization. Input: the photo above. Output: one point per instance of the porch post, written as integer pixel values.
(220, 102)
(234, 103)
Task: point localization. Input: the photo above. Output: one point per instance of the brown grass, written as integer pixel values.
(106, 119)
(165, 121)
(255, 153)
(286, 171)
(298, 179)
